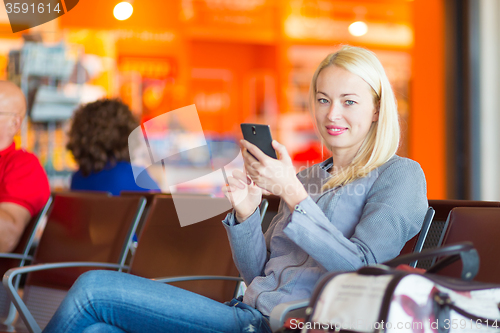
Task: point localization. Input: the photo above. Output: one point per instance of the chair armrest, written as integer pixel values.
(196, 277)
(21, 307)
(278, 314)
(263, 209)
(15, 256)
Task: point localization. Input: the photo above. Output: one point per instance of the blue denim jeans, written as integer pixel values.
(112, 302)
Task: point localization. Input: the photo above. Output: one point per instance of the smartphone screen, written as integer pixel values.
(259, 135)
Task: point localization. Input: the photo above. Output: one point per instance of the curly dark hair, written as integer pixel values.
(99, 134)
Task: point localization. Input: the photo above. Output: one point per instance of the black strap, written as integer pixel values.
(470, 264)
(464, 251)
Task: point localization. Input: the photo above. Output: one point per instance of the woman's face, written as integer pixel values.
(344, 109)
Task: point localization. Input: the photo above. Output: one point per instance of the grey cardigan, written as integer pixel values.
(365, 222)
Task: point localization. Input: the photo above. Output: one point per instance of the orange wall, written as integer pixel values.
(242, 61)
(427, 118)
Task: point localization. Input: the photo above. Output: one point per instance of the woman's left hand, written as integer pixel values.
(276, 176)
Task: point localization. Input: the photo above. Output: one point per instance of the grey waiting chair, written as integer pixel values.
(82, 232)
(20, 257)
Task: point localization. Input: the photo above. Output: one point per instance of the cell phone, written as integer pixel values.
(259, 135)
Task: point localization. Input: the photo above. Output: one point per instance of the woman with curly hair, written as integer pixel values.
(98, 139)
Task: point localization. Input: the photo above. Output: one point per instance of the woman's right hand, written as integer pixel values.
(243, 194)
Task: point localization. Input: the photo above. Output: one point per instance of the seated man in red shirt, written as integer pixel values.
(24, 188)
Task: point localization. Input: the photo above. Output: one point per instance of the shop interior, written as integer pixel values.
(237, 62)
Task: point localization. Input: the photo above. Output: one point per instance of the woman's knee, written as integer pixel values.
(94, 278)
(92, 283)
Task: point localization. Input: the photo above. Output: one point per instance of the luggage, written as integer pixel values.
(384, 299)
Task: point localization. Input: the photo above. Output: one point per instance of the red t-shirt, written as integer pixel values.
(23, 180)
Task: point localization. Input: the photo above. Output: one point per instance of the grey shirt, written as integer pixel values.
(365, 222)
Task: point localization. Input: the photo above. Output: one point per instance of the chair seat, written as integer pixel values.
(167, 249)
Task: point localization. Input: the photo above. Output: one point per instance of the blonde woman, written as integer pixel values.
(358, 207)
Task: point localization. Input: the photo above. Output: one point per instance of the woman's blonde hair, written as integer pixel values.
(382, 140)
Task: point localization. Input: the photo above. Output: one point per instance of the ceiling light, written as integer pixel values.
(358, 28)
(123, 11)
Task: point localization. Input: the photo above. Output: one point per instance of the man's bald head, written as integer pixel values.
(12, 99)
